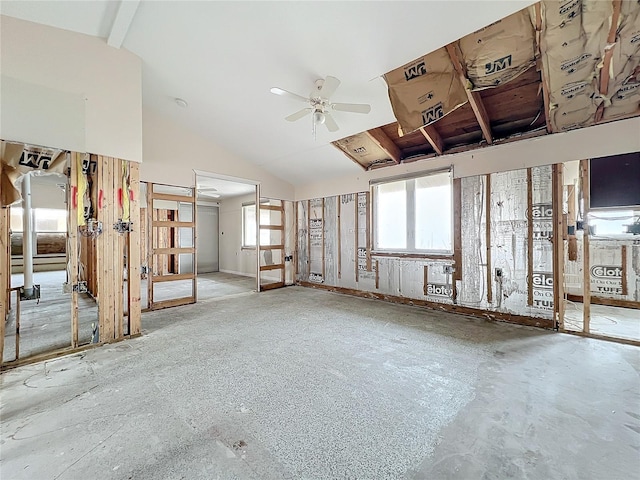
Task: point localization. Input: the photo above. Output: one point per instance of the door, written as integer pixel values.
(207, 241)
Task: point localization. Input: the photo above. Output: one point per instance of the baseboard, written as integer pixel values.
(486, 314)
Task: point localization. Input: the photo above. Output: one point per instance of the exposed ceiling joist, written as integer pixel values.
(433, 137)
(122, 22)
(608, 53)
(540, 68)
(474, 97)
(385, 143)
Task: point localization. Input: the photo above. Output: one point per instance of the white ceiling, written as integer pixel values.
(223, 57)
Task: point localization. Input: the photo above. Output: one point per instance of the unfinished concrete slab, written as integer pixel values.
(300, 383)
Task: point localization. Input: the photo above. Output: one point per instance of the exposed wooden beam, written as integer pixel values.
(544, 83)
(386, 144)
(475, 100)
(122, 22)
(433, 137)
(606, 62)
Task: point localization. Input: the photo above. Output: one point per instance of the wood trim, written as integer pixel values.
(271, 227)
(385, 143)
(275, 208)
(278, 266)
(172, 250)
(377, 275)
(609, 302)
(488, 237)
(173, 277)
(529, 237)
(475, 100)
(445, 307)
(172, 224)
(586, 277)
(432, 136)
(271, 247)
(415, 256)
(171, 197)
(623, 253)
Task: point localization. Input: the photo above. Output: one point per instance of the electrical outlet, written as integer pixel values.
(498, 273)
(449, 269)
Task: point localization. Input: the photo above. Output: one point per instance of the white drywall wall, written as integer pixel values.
(597, 141)
(233, 258)
(69, 90)
(172, 152)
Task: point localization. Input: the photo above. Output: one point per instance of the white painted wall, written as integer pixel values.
(233, 258)
(597, 141)
(172, 152)
(69, 90)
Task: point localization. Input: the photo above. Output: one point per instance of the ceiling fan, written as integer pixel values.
(319, 104)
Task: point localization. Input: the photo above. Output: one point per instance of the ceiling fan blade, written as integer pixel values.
(286, 93)
(352, 107)
(329, 86)
(298, 115)
(330, 123)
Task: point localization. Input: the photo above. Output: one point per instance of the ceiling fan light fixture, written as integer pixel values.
(318, 117)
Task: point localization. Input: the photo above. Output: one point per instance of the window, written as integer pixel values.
(249, 226)
(612, 222)
(414, 215)
(45, 220)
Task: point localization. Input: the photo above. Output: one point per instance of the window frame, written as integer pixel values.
(410, 182)
(258, 222)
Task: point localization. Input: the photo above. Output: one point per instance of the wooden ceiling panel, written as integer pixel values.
(458, 122)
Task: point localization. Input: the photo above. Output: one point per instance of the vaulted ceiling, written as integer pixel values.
(223, 58)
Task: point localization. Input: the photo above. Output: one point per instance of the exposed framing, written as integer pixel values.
(475, 100)
(155, 227)
(586, 276)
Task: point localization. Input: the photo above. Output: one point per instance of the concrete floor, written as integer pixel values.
(46, 325)
(210, 285)
(300, 383)
(609, 321)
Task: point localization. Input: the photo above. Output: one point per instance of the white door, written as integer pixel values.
(207, 239)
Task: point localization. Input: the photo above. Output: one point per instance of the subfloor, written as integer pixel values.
(210, 285)
(46, 324)
(300, 383)
(608, 321)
